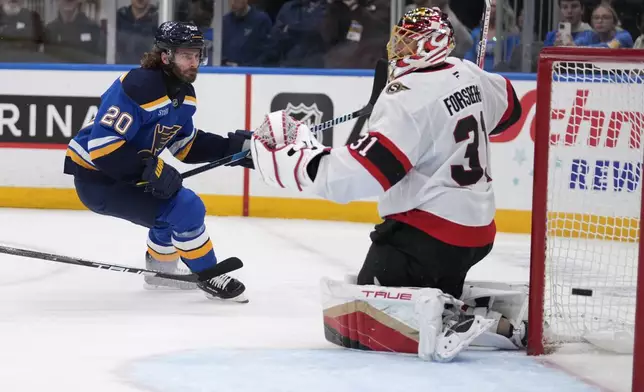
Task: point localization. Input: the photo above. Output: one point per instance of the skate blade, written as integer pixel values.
(164, 287)
(241, 298)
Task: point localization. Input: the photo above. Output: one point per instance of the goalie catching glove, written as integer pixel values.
(285, 152)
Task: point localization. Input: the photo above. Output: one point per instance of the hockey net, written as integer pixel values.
(587, 199)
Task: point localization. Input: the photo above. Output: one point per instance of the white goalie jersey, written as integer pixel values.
(426, 152)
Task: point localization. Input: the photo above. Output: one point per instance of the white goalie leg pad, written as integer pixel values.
(430, 307)
(351, 278)
(502, 299)
(394, 319)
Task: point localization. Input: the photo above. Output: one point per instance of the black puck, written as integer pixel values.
(584, 292)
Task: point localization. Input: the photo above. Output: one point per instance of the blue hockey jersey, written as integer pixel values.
(142, 113)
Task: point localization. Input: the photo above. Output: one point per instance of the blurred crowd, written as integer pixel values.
(304, 33)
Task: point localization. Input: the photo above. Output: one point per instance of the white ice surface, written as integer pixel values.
(71, 328)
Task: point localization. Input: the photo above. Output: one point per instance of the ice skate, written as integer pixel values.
(224, 287)
(457, 335)
(520, 335)
(170, 267)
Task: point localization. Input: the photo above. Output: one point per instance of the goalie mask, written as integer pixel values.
(423, 38)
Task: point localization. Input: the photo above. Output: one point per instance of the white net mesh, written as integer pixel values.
(277, 128)
(594, 199)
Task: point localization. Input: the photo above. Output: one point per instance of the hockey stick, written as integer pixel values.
(379, 82)
(480, 58)
(223, 267)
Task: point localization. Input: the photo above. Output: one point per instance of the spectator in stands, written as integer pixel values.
(271, 7)
(639, 42)
(135, 28)
(572, 12)
(181, 9)
(245, 34)
(516, 59)
(201, 12)
(462, 35)
(356, 32)
(73, 37)
(627, 12)
(509, 40)
(295, 39)
(607, 33)
(21, 30)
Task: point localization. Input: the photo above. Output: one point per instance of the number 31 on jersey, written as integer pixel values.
(362, 145)
(463, 176)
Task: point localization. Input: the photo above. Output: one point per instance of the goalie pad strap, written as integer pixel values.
(510, 300)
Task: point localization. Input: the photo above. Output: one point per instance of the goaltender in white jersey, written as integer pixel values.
(427, 149)
(426, 156)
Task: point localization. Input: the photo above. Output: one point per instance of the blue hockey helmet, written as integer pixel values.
(174, 35)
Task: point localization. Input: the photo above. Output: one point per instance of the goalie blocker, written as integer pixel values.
(424, 321)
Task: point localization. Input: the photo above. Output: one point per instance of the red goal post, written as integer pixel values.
(587, 202)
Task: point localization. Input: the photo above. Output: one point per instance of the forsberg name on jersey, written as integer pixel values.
(462, 99)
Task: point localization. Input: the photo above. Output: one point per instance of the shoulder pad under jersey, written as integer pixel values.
(146, 87)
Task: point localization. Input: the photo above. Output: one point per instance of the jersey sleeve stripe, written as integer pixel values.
(181, 147)
(510, 108)
(189, 100)
(80, 151)
(78, 160)
(512, 112)
(100, 152)
(101, 141)
(372, 169)
(182, 142)
(395, 151)
(382, 159)
(156, 104)
(181, 154)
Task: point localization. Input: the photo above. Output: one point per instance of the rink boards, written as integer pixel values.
(42, 106)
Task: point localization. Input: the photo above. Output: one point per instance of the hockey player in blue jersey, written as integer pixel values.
(143, 112)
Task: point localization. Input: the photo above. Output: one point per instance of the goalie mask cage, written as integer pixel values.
(585, 285)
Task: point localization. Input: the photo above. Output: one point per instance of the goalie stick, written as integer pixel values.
(379, 82)
(480, 58)
(222, 267)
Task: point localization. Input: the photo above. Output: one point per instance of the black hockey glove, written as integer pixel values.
(163, 180)
(239, 141)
